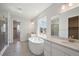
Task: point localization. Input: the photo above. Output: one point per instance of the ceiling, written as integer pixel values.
(29, 10)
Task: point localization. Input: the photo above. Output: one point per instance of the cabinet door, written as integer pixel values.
(54, 49)
(58, 50)
(47, 48)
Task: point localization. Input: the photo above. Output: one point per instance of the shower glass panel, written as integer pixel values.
(3, 33)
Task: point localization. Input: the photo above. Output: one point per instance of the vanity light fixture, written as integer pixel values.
(32, 22)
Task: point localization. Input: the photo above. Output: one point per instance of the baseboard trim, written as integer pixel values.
(3, 50)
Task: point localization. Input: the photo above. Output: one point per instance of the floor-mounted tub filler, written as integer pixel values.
(36, 45)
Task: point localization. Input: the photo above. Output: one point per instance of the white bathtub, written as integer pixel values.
(36, 45)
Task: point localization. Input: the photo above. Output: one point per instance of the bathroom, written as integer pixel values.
(46, 34)
(57, 30)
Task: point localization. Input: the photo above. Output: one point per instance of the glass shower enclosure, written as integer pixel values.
(3, 32)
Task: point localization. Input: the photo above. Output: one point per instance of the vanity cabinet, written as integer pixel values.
(47, 48)
(59, 50)
(54, 49)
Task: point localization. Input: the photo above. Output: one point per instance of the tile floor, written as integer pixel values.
(18, 49)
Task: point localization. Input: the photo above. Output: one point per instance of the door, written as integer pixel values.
(16, 31)
(55, 29)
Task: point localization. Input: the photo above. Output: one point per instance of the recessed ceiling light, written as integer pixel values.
(70, 4)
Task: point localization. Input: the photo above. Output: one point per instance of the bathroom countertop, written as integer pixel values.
(65, 42)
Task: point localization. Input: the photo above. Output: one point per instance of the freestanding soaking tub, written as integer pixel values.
(36, 45)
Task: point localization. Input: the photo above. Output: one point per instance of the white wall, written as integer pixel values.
(10, 28)
(63, 18)
(24, 23)
(30, 26)
(24, 29)
(27, 27)
(49, 12)
(23, 26)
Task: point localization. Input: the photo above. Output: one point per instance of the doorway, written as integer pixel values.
(55, 27)
(16, 31)
(74, 27)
